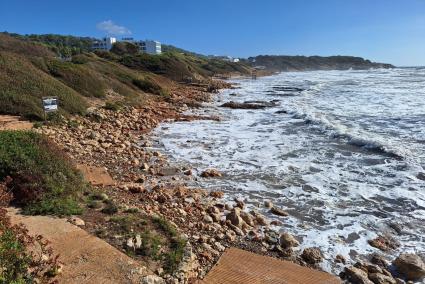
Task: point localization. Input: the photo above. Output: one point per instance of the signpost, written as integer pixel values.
(50, 104)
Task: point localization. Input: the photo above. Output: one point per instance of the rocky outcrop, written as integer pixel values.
(249, 105)
(356, 276)
(288, 241)
(411, 266)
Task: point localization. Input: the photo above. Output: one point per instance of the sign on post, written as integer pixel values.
(50, 104)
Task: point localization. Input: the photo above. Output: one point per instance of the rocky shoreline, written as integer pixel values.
(117, 140)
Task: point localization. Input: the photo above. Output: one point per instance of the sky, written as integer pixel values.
(390, 31)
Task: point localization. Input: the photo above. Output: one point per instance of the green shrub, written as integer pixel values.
(114, 106)
(43, 179)
(148, 86)
(110, 207)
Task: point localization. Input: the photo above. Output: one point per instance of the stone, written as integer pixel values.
(312, 255)
(379, 260)
(356, 276)
(340, 259)
(210, 173)
(261, 220)
(287, 240)
(268, 204)
(219, 247)
(217, 194)
(208, 219)
(411, 266)
(77, 221)
(384, 243)
(235, 218)
(138, 242)
(130, 243)
(279, 212)
(379, 278)
(152, 279)
(247, 218)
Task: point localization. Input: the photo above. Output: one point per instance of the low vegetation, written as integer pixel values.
(19, 261)
(40, 177)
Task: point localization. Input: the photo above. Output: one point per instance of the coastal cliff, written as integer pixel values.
(310, 63)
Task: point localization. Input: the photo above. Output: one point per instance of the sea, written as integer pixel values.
(343, 152)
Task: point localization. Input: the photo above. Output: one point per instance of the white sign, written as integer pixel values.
(50, 104)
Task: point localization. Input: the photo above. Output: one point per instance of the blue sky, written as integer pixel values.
(390, 31)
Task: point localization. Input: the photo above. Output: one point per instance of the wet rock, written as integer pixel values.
(356, 276)
(312, 255)
(261, 220)
(268, 204)
(384, 243)
(246, 105)
(411, 266)
(288, 241)
(217, 194)
(379, 278)
(421, 176)
(211, 173)
(340, 259)
(279, 212)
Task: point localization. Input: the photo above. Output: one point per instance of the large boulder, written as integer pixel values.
(379, 278)
(356, 275)
(411, 266)
(288, 241)
(312, 255)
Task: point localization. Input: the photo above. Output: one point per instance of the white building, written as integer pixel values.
(105, 44)
(146, 46)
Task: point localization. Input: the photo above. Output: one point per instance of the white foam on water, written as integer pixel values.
(356, 138)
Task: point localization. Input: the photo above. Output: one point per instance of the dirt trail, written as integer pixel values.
(8, 122)
(86, 259)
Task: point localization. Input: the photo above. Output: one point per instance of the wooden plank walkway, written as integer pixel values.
(238, 266)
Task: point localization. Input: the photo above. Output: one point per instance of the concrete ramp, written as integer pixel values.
(96, 175)
(238, 266)
(9, 122)
(86, 259)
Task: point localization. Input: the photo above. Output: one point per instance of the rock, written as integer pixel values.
(261, 220)
(138, 242)
(384, 243)
(207, 219)
(268, 204)
(340, 259)
(248, 105)
(210, 173)
(217, 194)
(421, 176)
(356, 276)
(379, 278)
(247, 218)
(130, 243)
(312, 255)
(411, 266)
(235, 218)
(379, 260)
(77, 221)
(219, 247)
(278, 211)
(288, 241)
(152, 279)
(216, 217)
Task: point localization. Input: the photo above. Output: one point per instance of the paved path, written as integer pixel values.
(8, 122)
(238, 266)
(86, 259)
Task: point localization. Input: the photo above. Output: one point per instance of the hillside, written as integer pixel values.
(31, 68)
(304, 63)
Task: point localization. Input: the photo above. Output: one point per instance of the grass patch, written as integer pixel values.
(43, 181)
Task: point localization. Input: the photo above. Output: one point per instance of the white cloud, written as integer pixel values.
(112, 29)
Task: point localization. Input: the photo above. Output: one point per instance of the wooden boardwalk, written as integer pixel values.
(238, 266)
